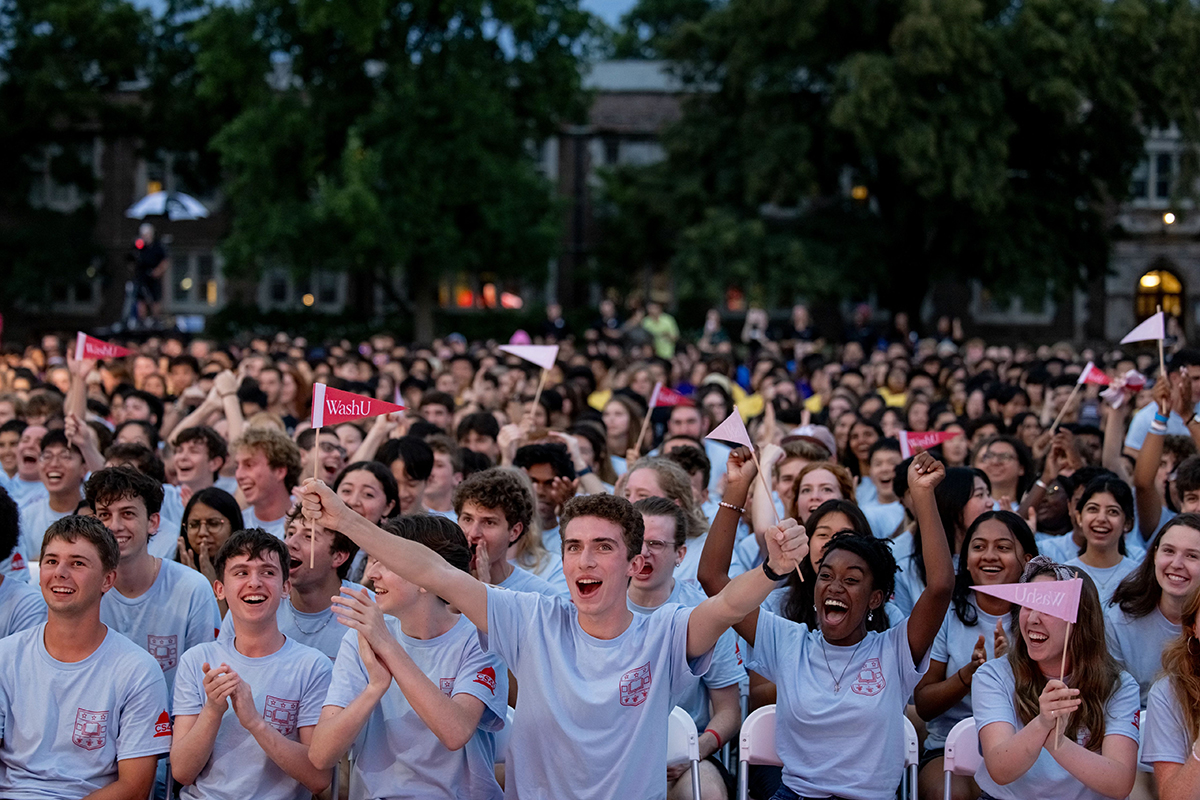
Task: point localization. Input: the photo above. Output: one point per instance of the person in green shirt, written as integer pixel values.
(663, 328)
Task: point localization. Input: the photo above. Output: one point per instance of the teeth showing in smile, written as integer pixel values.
(255, 598)
(837, 604)
(61, 590)
(1176, 578)
(1037, 637)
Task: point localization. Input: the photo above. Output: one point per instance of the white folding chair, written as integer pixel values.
(333, 787)
(1142, 740)
(962, 756)
(683, 744)
(756, 745)
(502, 737)
(912, 757)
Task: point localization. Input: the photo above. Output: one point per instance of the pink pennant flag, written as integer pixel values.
(732, 430)
(1093, 374)
(1056, 598)
(666, 397)
(331, 406)
(92, 348)
(1153, 328)
(912, 443)
(544, 355)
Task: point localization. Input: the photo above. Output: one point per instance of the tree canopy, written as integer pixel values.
(841, 148)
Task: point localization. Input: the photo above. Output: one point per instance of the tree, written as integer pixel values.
(62, 63)
(837, 148)
(392, 136)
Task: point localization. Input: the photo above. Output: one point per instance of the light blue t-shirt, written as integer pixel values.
(689, 567)
(992, 701)
(726, 669)
(520, 580)
(36, 517)
(908, 585)
(884, 518)
(1166, 736)
(22, 491)
(289, 689)
(320, 631)
(596, 729)
(175, 614)
(66, 725)
(1139, 426)
(847, 742)
(165, 543)
(866, 493)
(21, 606)
(1107, 579)
(746, 556)
(451, 515)
(953, 647)
(396, 755)
(275, 527)
(1060, 549)
(1137, 643)
(552, 540)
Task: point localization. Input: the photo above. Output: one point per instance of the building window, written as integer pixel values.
(1159, 287)
(324, 291)
(1155, 177)
(196, 284)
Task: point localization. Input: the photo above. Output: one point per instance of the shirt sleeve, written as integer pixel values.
(509, 616)
(189, 695)
(349, 678)
(143, 709)
(682, 667)
(910, 674)
(1123, 710)
(1111, 621)
(30, 613)
(315, 690)
(941, 643)
(1139, 426)
(484, 676)
(992, 697)
(768, 634)
(1166, 738)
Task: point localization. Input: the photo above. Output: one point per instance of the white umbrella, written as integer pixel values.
(176, 206)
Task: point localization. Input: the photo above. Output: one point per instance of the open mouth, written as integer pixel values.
(587, 586)
(1036, 637)
(295, 563)
(254, 599)
(1176, 580)
(836, 611)
(646, 571)
(62, 591)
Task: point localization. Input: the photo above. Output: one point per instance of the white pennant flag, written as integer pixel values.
(1153, 328)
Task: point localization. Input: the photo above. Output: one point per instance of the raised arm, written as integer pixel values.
(379, 433)
(715, 559)
(76, 399)
(413, 562)
(1146, 494)
(1114, 438)
(787, 545)
(924, 474)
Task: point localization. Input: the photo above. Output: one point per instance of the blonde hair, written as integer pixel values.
(1182, 667)
(677, 486)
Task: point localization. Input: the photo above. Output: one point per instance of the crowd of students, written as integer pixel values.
(203, 597)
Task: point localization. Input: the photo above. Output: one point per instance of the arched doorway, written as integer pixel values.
(1159, 287)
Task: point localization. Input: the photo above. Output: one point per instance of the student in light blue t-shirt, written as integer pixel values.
(1172, 718)
(1105, 515)
(977, 629)
(840, 679)
(83, 711)
(615, 674)
(413, 694)
(1017, 702)
(245, 710)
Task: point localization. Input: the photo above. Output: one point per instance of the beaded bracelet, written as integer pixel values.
(732, 507)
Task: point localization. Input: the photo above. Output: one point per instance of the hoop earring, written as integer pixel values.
(1191, 652)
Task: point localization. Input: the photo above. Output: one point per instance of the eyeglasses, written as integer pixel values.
(214, 525)
(656, 545)
(329, 447)
(61, 456)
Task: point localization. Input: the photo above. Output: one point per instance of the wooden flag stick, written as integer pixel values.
(1063, 410)
(312, 529)
(1062, 673)
(642, 433)
(538, 395)
(766, 488)
(1162, 361)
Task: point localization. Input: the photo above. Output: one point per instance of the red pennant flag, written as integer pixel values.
(1056, 598)
(912, 443)
(1092, 374)
(666, 397)
(331, 406)
(92, 348)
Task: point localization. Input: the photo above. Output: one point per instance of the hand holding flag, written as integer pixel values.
(912, 442)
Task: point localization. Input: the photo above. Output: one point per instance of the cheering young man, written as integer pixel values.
(83, 710)
(615, 673)
(245, 709)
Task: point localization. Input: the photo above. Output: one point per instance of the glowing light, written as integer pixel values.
(510, 300)
(859, 193)
(1150, 280)
(308, 299)
(1168, 218)
(186, 284)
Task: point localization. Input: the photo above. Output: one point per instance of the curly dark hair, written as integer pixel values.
(139, 457)
(616, 510)
(498, 487)
(123, 483)
(693, 459)
(880, 561)
(553, 453)
(254, 543)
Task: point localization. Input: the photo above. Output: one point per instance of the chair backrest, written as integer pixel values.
(756, 745)
(683, 743)
(962, 755)
(1141, 734)
(502, 737)
(912, 746)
